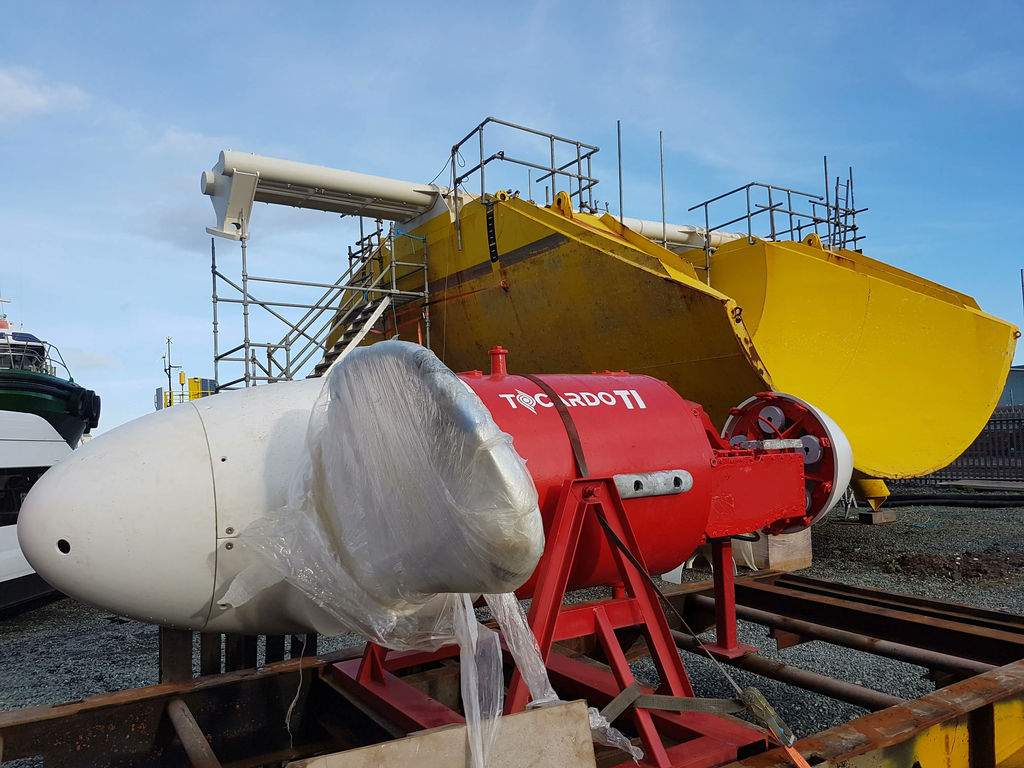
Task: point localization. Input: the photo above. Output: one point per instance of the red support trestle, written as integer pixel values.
(371, 666)
(669, 739)
(693, 739)
(727, 644)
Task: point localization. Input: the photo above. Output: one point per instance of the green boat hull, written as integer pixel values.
(69, 408)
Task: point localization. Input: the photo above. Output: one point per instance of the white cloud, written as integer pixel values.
(24, 93)
(175, 142)
(996, 77)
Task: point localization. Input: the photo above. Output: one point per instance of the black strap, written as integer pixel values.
(570, 425)
(492, 238)
(634, 696)
(750, 699)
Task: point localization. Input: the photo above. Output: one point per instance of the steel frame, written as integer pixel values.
(668, 738)
(803, 213)
(242, 713)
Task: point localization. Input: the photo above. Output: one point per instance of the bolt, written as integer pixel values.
(589, 492)
(229, 545)
(229, 530)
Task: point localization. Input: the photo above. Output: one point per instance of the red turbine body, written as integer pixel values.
(635, 425)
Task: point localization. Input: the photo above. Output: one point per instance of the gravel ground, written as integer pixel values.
(66, 651)
(956, 554)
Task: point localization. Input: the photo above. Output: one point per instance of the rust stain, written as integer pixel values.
(902, 724)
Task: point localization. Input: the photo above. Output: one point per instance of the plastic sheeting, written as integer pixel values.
(409, 492)
(410, 502)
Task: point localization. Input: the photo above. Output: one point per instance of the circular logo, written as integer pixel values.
(526, 401)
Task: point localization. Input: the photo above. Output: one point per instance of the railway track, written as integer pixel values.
(961, 631)
(241, 714)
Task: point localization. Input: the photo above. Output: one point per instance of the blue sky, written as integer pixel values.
(110, 111)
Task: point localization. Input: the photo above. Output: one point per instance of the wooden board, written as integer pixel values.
(786, 552)
(551, 736)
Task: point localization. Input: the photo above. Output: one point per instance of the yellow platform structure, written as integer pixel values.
(909, 369)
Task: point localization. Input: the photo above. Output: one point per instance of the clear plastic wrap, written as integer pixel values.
(522, 644)
(409, 502)
(409, 493)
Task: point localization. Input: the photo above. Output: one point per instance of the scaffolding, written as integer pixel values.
(384, 275)
(371, 280)
(575, 171)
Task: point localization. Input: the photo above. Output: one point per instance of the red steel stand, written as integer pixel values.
(670, 739)
(727, 643)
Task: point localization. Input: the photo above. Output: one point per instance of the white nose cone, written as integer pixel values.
(128, 521)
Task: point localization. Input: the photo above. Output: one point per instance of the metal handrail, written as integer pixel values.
(306, 337)
(585, 182)
(838, 220)
(47, 363)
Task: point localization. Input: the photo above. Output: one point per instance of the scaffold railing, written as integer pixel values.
(772, 212)
(373, 272)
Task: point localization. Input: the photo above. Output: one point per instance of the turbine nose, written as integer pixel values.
(128, 521)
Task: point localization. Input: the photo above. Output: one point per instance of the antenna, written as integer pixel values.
(664, 226)
(618, 132)
(167, 369)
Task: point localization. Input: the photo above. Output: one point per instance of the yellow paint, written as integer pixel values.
(909, 369)
(948, 744)
(589, 300)
(195, 388)
(1008, 722)
(943, 745)
(871, 489)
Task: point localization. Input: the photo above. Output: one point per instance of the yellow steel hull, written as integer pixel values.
(910, 370)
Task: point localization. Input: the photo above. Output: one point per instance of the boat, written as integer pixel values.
(29, 445)
(43, 416)
(29, 383)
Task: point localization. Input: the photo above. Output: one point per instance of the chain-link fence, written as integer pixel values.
(996, 454)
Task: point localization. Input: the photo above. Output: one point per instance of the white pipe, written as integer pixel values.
(239, 179)
(679, 234)
(286, 182)
(273, 171)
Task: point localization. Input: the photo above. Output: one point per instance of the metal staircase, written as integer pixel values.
(377, 275)
(360, 320)
(386, 272)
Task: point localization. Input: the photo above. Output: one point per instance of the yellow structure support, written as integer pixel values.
(909, 369)
(976, 722)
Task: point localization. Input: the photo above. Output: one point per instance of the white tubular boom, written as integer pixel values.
(239, 179)
(680, 237)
